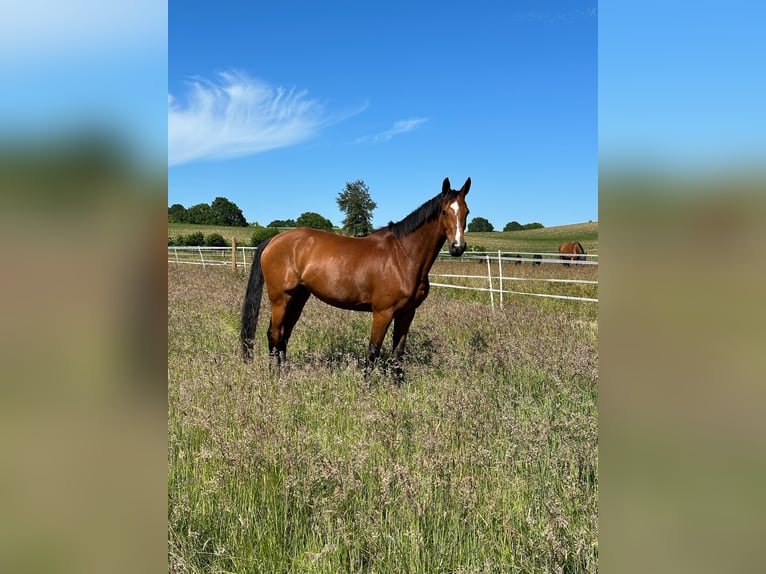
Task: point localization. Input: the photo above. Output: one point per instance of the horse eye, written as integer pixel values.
(444, 212)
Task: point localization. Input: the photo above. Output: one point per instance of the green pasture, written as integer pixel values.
(546, 240)
(485, 460)
(243, 235)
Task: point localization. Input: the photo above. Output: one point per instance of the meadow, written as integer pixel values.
(542, 240)
(545, 240)
(485, 460)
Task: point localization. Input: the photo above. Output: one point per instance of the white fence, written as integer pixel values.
(211, 256)
(497, 282)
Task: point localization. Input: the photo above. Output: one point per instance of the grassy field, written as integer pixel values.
(544, 240)
(485, 460)
(241, 234)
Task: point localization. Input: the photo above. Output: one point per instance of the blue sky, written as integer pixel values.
(276, 105)
(83, 64)
(681, 85)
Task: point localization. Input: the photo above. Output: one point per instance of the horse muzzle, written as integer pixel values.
(456, 249)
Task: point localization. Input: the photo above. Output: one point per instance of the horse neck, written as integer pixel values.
(423, 245)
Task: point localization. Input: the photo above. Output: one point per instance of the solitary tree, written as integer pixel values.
(480, 224)
(356, 203)
(314, 220)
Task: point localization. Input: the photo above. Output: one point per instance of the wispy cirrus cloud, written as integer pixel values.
(236, 115)
(399, 127)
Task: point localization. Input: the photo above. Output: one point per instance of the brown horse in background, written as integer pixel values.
(385, 273)
(571, 252)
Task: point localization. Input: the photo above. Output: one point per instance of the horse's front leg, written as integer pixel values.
(380, 322)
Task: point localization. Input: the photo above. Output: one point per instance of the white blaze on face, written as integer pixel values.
(455, 206)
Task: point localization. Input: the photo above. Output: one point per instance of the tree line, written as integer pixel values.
(354, 200)
(482, 224)
(220, 211)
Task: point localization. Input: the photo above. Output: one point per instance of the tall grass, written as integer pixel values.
(485, 460)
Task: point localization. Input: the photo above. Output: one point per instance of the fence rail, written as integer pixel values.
(242, 257)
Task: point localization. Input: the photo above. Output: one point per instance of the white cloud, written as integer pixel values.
(399, 127)
(236, 116)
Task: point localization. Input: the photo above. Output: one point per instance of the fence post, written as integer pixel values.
(233, 253)
(500, 271)
(489, 276)
(200, 256)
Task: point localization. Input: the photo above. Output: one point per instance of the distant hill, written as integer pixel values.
(546, 240)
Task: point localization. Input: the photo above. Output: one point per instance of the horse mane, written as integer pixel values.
(426, 212)
(582, 249)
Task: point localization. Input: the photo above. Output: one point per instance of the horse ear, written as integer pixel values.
(446, 187)
(466, 187)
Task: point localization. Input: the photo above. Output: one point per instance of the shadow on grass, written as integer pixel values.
(346, 349)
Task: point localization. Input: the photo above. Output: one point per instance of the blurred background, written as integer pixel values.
(83, 156)
(682, 176)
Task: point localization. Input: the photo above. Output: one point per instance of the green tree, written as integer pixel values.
(356, 203)
(260, 233)
(534, 225)
(199, 214)
(313, 220)
(194, 239)
(282, 223)
(176, 213)
(480, 224)
(215, 240)
(225, 212)
(512, 226)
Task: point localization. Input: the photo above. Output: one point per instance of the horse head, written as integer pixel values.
(454, 212)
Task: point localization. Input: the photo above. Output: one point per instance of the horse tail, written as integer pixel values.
(252, 306)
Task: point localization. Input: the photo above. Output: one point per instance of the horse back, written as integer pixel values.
(342, 271)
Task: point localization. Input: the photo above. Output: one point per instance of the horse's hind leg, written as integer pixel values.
(380, 322)
(293, 312)
(401, 328)
(274, 335)
(285, 311)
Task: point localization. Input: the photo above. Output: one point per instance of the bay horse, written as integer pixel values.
(571, 252)
(385, 273)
